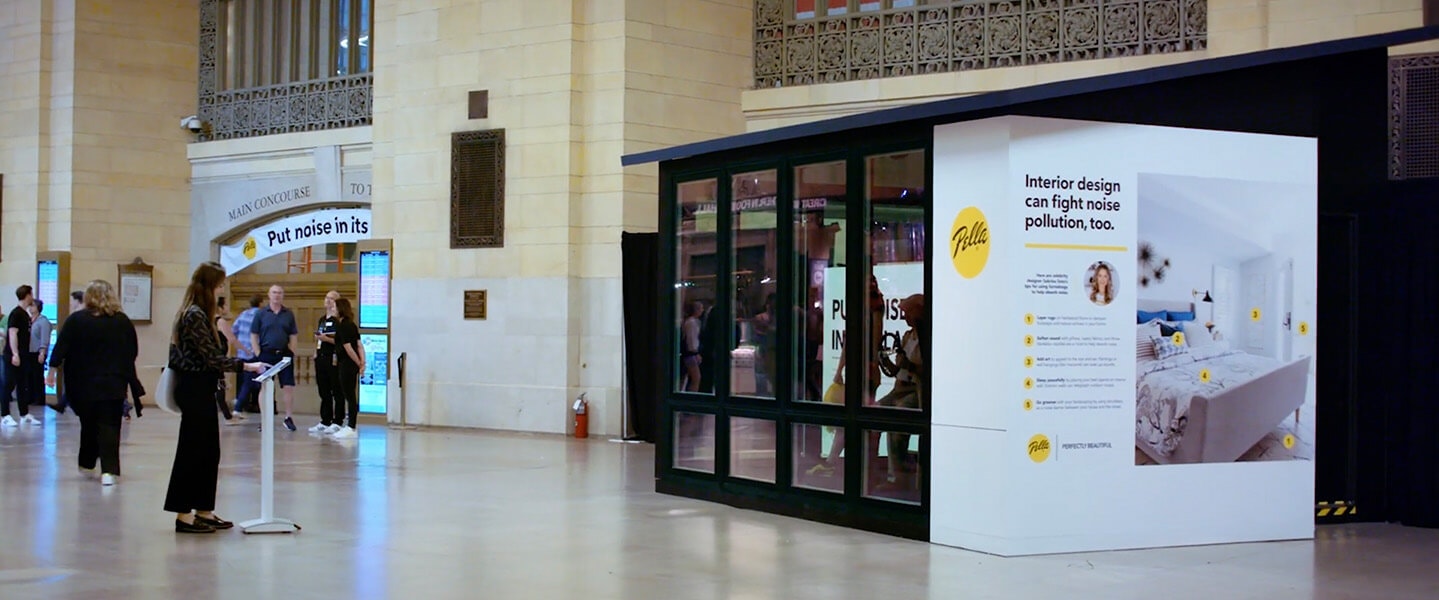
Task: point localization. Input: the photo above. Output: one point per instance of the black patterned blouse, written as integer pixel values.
(197, 348)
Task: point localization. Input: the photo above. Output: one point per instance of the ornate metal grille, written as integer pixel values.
(960, 35)
(477, 189)
(285, 108)
(1414, 116)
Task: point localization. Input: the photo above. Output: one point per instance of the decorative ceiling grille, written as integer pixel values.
(957, 35)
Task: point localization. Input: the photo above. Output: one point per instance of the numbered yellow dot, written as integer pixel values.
(1029, 319)
(1204, 375)
(1028, 404)
(1254, 314)
(1028, 340)
(1028, 383)
(1178, 338)
(1303, 328)
(1028, 362)
(1289, 441)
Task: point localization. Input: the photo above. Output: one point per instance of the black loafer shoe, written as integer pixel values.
(196, 527)
(213, 522)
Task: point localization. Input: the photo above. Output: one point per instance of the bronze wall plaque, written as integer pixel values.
(476, 306)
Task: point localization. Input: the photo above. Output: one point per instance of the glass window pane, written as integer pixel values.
(804, 9)
(818, 457)
(891, 466)
(819, 280)
(752, 449)
(755, 351)
(894, 306)
(694, 442)
(364, 38)
(700, 333)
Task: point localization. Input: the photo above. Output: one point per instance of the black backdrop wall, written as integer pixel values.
(1399, 279)
(641, 272)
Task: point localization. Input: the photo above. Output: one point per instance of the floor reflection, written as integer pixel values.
(451, 514)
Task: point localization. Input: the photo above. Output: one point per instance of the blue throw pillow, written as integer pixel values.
(1181, 316)
(1146, 316)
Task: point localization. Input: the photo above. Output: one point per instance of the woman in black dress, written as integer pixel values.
(197, 361)
(96, 350)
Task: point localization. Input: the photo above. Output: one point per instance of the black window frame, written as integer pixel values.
(850, 508)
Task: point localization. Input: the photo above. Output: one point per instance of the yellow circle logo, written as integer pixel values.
(1178, 338)
(1028, 404)
(1289, 441)
(1039, 448)
(1029, 340)
(250, 248)
(1303, 328)
(1204, 376)
(969, 242)
(1028, 383)
(1028, 362)
(1029, 319)
(1255, 314)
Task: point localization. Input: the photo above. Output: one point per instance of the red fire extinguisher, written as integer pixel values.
(582, 419)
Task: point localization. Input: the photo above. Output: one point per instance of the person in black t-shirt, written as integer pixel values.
(326, 370)
(17, 360)
(351, 362)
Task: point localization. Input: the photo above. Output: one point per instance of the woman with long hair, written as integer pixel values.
(197, 361)
(1101, 285)
(351, 362)
(96, 351)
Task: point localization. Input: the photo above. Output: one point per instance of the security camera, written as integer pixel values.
(193, 123)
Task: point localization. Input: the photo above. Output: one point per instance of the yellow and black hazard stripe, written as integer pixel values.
(1335, 509)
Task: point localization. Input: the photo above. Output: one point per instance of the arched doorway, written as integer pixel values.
(306, 274)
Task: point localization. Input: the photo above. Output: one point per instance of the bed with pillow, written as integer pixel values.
(1179, 418)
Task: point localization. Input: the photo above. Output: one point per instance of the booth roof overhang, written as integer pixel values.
(956, 109)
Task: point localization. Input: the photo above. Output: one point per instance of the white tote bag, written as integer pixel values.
(165, 391)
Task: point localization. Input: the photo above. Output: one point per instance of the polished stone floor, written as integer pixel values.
(448, 514)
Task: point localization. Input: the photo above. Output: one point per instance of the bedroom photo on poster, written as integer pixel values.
(1225, 287)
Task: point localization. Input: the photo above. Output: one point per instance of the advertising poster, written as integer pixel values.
(373, 381)
(47, 290)
(1073, 244)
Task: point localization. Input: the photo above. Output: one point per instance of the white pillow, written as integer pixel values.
(1196, 335)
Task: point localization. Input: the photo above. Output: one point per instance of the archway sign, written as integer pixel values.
(333, 226)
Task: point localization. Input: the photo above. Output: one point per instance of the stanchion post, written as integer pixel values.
(400, 363)
(268, 522)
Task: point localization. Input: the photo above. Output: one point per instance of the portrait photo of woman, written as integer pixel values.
(1100, 283)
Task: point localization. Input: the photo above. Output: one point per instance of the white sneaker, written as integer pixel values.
(346, 433)
(31, 420)
(9, 421)
(318, 428)
(107, 479)
(333, 429)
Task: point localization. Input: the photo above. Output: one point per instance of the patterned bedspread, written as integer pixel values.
(1166, 387)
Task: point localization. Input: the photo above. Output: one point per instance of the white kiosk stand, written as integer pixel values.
(268, 522)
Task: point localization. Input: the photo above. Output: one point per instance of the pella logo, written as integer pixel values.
(1039, 448)
(969, 242)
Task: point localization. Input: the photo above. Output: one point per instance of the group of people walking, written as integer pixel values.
(95, 354)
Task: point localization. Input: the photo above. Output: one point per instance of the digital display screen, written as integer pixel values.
(47, 290)
(374, 382)
(374, 289)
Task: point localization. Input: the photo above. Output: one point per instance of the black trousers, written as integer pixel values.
(347, 402)
(35, 372)
(99, 431)
(331, 405)
(17, 384)
(197, 450)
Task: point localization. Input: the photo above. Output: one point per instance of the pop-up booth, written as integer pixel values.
(1079, 316)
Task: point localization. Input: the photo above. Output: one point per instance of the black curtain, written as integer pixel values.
(1403, 345)
(644, 365)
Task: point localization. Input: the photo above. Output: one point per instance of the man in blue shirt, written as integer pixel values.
(247, 390)
(275, 334)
